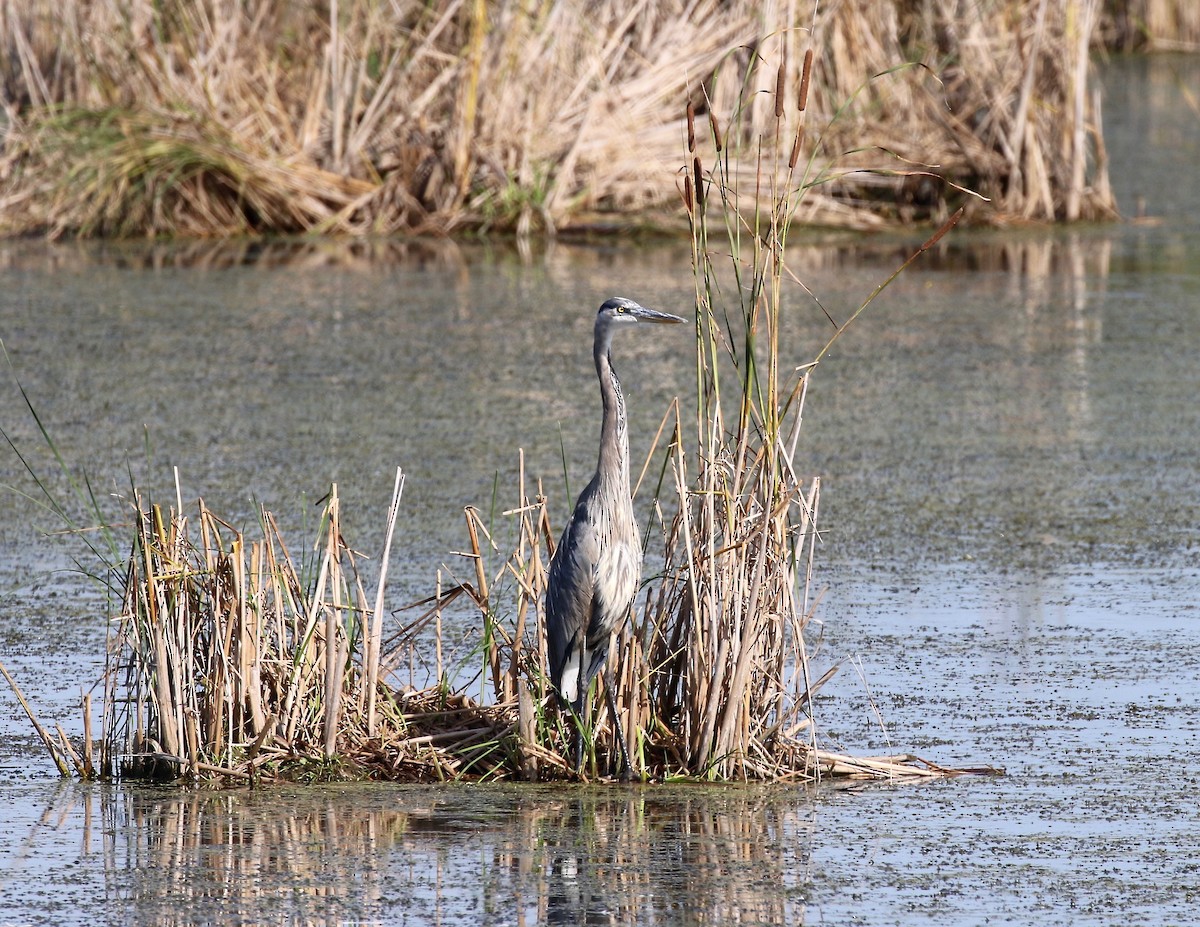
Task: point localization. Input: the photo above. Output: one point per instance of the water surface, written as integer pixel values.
(1009, 444)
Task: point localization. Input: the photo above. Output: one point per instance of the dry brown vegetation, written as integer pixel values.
(215, 117)
(235, 658)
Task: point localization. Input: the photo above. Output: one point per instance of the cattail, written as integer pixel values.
(691, 119)
(946, 226)
(796, 148)
(779, 88)
(804, 75)
(699, 182)
(716, 129)
(687, 192)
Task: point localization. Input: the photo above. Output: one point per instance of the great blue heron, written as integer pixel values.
(595, 570)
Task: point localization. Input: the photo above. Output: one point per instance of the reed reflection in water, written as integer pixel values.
(383, 855)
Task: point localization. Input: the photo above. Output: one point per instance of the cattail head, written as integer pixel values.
(716, 129)
(691, 121)
(699, 182)
(946, 226)
(779, 89)
(805, 73)
(687, 192)
(796, 148)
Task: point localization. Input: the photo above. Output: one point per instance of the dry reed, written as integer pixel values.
(232, 659)
(195, 118)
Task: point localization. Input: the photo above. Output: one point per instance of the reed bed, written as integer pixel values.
(724, 629)
(234, 659)
(199, 117)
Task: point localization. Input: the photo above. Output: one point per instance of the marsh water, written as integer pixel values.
(1009, 444)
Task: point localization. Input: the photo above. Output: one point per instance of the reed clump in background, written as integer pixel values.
(1158, 25)
(196, 117)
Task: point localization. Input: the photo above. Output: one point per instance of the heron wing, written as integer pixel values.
(593, 580)
(570, 596)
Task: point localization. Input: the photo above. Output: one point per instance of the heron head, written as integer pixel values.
(620, 311)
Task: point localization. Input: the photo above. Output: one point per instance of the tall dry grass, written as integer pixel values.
(209, 117)
(712, 672)
(233, 655)
(237, 657)
(724, 628)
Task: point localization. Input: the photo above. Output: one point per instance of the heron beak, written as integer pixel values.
(642, 314)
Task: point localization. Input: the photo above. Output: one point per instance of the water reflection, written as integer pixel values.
(226, 253)
(646, 858)
(378, 855)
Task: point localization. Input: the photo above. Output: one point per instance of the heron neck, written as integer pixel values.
(614, 437)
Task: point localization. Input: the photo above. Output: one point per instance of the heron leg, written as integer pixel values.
(576, 712)
(578, 740)
(610, 697)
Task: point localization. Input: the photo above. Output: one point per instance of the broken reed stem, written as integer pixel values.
(437, 634)
(491, 648)
(51, 747)
(333, 627)
(375, 639)
(88, 758)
